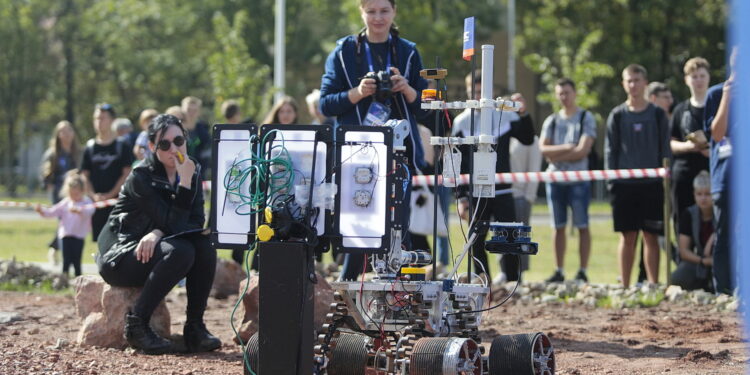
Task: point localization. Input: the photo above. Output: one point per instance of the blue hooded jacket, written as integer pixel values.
(344, 68)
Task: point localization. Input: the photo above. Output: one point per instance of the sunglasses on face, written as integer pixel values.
(166, 144)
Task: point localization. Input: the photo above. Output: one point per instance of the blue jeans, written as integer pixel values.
(722, 254)
(576, 196)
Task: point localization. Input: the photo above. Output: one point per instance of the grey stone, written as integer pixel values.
(9, 317)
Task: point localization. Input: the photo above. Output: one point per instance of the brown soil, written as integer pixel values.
(662, 340)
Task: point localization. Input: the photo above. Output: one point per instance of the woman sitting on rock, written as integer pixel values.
(153, 239)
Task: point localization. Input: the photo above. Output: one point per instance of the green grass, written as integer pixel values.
(603, 262)
(27, 240)
(45, 287)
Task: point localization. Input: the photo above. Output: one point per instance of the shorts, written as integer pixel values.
(638, 206)
(576, 196)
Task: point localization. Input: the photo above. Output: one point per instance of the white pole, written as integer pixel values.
(485, 119)
(511, 21)
(279, 68)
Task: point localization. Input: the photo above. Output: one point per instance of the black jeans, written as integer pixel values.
(72, 248)
(190, 256)
(500, 208)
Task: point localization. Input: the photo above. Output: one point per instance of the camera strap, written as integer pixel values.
(369, 56)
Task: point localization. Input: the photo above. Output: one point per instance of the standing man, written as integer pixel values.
(718, 128)
(688, 141)
(502, 207)
(199, 140)
(105, 164)
(567, 138)
(637, 137)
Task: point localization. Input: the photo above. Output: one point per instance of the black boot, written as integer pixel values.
(198, 339)
(140, 336)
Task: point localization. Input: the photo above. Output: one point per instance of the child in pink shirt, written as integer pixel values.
(75, 220)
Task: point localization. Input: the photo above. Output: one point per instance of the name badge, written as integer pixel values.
(377, 114)
(638, 127)
(725, 148)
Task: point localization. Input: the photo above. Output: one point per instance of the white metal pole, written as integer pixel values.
(279, 57)
(488, 53)
(511, 21)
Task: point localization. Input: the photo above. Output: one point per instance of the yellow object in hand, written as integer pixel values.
(180, 157)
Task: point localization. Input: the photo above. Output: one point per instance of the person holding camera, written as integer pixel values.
(154, 238)
(373, 77)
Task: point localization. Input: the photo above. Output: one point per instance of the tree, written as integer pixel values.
(22, 74)
(574, 64)
(659, 34)
(234, 73)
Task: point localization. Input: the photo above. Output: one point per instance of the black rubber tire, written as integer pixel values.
(349, 356)
(522, 354)
(429, 355)
(251, 354)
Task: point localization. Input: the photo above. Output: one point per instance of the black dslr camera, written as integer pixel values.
(383, 85)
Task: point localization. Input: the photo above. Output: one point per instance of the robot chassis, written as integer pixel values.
(394, 325)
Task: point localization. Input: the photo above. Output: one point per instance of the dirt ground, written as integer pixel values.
(661, 340)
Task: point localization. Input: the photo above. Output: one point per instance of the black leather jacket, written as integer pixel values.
(146, 202)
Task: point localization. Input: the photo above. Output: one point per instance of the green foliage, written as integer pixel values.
(235, 74)
(61, 57)
(44, 287)
(589, 40)
(23, 71)
(574, 64)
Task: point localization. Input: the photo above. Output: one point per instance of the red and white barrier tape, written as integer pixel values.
(500, 178)
(566, 176)
(100, 204)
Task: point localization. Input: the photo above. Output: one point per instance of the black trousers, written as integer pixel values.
(190, 256)
(501, 208)
(72, 249)
(98, 220)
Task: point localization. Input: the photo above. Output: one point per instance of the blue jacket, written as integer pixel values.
(343, 70)
(719, 167)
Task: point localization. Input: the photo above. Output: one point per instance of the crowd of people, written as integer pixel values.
(153, 237)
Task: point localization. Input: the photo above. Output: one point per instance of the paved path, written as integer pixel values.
(86, 268)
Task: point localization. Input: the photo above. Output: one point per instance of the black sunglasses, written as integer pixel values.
(166, 144)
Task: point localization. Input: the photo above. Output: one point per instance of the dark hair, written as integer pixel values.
(635, 68)
(230, 108)
(477, 76)
(566, 81)
(160, 124)
(106, 107)
(656, 88)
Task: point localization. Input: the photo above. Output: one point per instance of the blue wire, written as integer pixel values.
(408, 178)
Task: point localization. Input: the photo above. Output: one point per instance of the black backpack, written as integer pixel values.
(594, 160)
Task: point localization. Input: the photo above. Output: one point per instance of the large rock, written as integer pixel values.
(104, 322)
(248, 310)
(228, 276)
(88, 295)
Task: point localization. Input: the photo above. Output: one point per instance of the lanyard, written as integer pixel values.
(387, 59)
